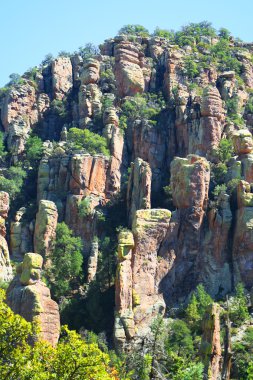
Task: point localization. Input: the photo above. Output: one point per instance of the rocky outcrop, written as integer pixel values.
(5, 265)
(139, 188)
(210, 349)
(243, 236)
(92, 262)
(205, 132)
(20, 235)
(124, 317)
(19, 114)
(128, 71)
(243, 146)
(45, 228)
(28, 296)
(61, 77)
(183, 243)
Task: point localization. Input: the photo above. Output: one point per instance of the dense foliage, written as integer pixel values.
(86, 140)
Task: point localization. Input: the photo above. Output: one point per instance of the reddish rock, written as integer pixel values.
(128, 72)
(28, 296)
(61, 77)
(210, 349)
(5, 265)
(139, 188)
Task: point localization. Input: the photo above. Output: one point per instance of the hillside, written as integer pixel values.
(127, 171)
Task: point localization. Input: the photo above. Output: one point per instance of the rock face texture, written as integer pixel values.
(45, 228)
(21, 234)
(28, 296)
(242, 245)
(138, 299)
(139, 188)
(5, 265)
(61, 77)
(210, 349)
(128, 71)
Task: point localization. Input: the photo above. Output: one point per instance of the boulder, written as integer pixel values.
(29, 297)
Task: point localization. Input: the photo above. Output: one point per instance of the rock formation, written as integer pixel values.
(20, 235)
(61, 77)
(139, 188)
(5, 265)
(45, 228)
(28, 296)
(210, 349)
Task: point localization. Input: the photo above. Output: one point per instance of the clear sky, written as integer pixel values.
(30, 29)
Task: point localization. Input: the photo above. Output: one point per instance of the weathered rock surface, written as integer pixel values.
(128, 72)
(21, 235)
(61, 77)
(139, 188)
(210, 349)
(45, 228)
(5, 265)
(92, 262)
(28, 296)
(243, 236)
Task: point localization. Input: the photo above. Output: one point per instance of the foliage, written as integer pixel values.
(145, 106)
(33, 149)
(191, 67)
(224, 33)
(132, 29)
(164, 33)
(225, 150)
(224, 55)
(87, 140)
(219, 189)
(180, 339)
(66, 260)
(12, 181)
(72, 359)
(84, 207)
(219, 172)
(88, 51)
(15, 79)
(197, 306)
(2, 146)
(47, 60)
(192, 33)
(249, 105)
(242, 356)
(238, 308)
(59, 107)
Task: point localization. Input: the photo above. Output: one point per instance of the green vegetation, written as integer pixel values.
(83, 139)
(88, 51)
(196, 308)
(143, 107)
(33, 149)
(84, 207)
(164, 33)
(2, 147)
(238, 310)
(66, 261)
(72, 359)
(132, 29)
(12, 181)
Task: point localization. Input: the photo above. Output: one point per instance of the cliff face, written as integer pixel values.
(167, 124)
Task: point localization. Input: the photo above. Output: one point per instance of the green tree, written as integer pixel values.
(132, 29)
(2, 147)
(12, 181)
(180, 339)
(33, 149)
(238, 309)
(66, 260)
(164, 33)
(197, 306)
(87, 140)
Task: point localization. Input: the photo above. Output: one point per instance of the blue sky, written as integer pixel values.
(30, 29)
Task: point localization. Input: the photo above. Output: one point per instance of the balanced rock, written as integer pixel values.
(29, 297)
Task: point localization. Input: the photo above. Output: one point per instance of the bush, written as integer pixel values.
(87, 140)
(66, 261)
(164, 33)
(12, 181)
(197, 306)
(33, 149)
(88, 51)
(2, 146)
(225, 150)
(238, 309)
(191, 68)
(84, 207)
(219, 189)
(132, 29)
(180, 339)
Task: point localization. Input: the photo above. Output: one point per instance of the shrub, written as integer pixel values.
(88, 50)
(180, 339)
(33, 149)
(219, 189)
(197, 306)
(132, 29)
(164, 33)
(2, 147)
(47, 60)
(238, 309)
(84, 207)
(66, 260)
(225, 150)
(219, 172)
(191, 68)
(12, 181)
(87, 140)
